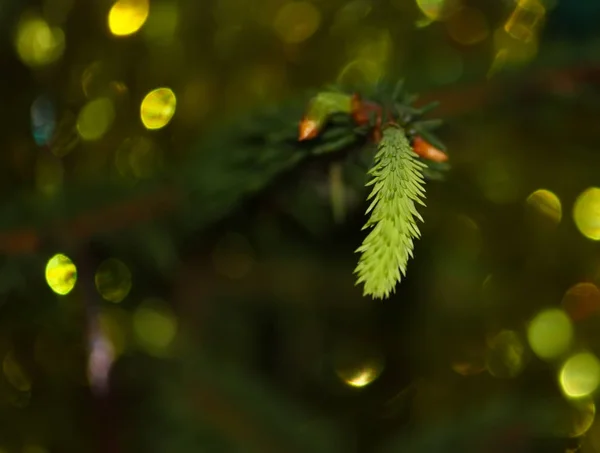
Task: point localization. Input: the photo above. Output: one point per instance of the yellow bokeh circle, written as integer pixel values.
(155, 327)
(158, 107)
(95, 119)
(128, 16)
(297, 21)
(37, 43)
(547, 204)
(550, 333)
(580, 375)
(61, 274)
(586, 213)
(113, 280)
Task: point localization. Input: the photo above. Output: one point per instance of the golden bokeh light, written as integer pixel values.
(550, 333)
(369, 53)
(525, 20)
(349, 16)
(61, 274)
(586, 213)
(505, 356)
(581, 301)
(439, 9)
(138, 158)
(547, 204)
(95, 78)
(158, 107)
(360, 72)
(155, 327)
(127, 16)
(37, 43)
(297, 21)
(95, 119)
(15, 374)
(468, 26)
(583, 414)
(580, 375)
(113, 280)
(511, 51)
(358, 365)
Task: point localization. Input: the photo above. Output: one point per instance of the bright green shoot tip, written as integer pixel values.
(398, 185)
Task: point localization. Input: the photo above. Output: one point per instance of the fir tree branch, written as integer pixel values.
(397, 185)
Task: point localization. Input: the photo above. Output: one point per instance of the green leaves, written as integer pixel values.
(398, 185)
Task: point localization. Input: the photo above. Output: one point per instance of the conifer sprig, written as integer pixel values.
(398, 185)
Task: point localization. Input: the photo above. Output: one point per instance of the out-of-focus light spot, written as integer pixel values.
(468, 26)
(37, 43)
(424, 22)
(61, 274)
(505, 357)
(439, 9)
(524, 22)
(358, 365)
(586, 213)
(113, 280)
(547, 204)
(583, 414)
(373, 44)
(297, 21)
(100, 361)
(349, 15)
(360, 72)
(138, 158)
(15, 374)
(65, 137)
(155, 327)
(511, 51)
(581, 301)
(94, 79)
(118, 88)
(49, 174)
(550, 334)
(369, 54)
(127, 16)
(444, 65)
(162, 23)
(233, 256)
(158, 107)
(580, 375)
(95, 118)
(43, 120)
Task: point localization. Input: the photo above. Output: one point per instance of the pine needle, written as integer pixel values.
(398, 184)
